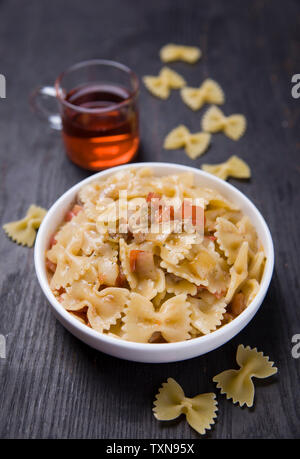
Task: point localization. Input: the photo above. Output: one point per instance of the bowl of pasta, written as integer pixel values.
(154, 262)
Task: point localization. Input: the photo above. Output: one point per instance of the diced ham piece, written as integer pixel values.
(53, 241)
(51, 266)
(212, 238)
(73, 212)
(238, 304)
(121, 279)
(228, 317)
(133, 259)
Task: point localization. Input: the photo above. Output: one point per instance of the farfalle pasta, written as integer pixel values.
(103, 307)
(161, 85)
(171, 53)
(230, 237)
(233, 167)
(154, 259)
(207, 312)
(238, 384)
(172, 320)
(24, 231)
(210, 92)
(233, 126)
(194, 144)
(171, 402)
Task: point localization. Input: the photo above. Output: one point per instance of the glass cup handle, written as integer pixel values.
(37, 101)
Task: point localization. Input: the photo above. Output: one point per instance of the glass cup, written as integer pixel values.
(98, 112)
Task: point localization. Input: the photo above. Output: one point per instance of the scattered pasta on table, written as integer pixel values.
(194, 144)
(210, 92)
(171, 402)
(233, 167)
(24, 231)
(214, 120)
(171, 53)
(161, 85)
(238, 384)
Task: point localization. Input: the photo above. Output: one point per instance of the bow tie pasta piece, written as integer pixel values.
(171, 402)
(194, 144)
(207, 312)
(203, 266)
(212, 198)
(92, 241)
(214, 120)
(172, 78)
(140, 270)
(230, 237)
(237, 384)
(161, 85)
(177, 246)
(24, 231)
(211, 216)
(66, 256)
(103, 308)
(89, 196)
(172, 320)
(171, 53)
(186, 271)
(233, 167)
(177, 138)
(210, 92)
(238, 272)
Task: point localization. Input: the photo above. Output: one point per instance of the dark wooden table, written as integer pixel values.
(54, 386)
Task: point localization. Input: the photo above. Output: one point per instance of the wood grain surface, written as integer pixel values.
(54, 386)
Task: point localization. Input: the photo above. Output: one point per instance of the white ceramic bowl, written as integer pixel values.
(154, 353)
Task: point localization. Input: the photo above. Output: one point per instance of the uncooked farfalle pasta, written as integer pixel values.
(238, 384)
(210, 92)
(194, 144)
(233, 126)
(171, 402)
(233, 167)
(171, 53)
(154, 259)
(161, 85)
(24, 231)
